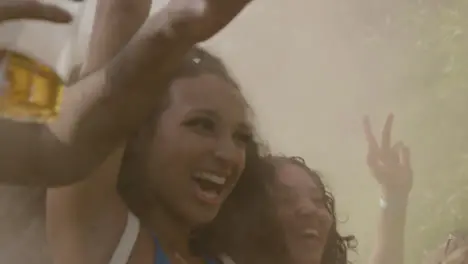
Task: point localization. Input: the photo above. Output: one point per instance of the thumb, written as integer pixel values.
(31, 9)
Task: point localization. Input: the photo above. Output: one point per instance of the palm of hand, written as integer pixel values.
(389, 163)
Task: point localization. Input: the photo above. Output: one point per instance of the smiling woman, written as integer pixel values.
(307, 213)
(216, 149)
(202, 110)
(192, 176)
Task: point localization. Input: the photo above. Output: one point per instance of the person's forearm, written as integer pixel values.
(99, 112)
(18, 152)
(115, 23)
(32, 155)
(390, 243)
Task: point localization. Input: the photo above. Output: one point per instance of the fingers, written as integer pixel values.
(373, 146)
(370, 138)
(387, 134)
(31, 9)
(406, 157)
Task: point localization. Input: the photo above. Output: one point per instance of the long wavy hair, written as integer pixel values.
(249, 203)
(336, 249)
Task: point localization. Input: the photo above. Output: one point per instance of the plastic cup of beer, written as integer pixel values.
(35, 61)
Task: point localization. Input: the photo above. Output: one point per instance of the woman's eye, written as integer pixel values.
(243, 137)
(289, 198)
(204, 124)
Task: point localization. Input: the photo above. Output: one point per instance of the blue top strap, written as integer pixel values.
(161, 257)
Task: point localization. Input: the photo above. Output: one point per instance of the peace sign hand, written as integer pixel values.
(32, 9)
(389, 163)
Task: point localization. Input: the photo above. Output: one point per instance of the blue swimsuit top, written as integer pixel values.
(161, 257)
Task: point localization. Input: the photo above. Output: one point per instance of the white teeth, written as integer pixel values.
(210, 177)
(209, 195)
(311, 232)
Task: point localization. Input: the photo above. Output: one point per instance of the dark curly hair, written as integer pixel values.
(336, 249)
(250, 201)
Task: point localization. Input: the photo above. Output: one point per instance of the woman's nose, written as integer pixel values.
(307, 208)
(227, 152)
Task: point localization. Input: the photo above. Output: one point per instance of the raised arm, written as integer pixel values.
(19, 141)
(390, 166)
(95, 199)
(107, 106)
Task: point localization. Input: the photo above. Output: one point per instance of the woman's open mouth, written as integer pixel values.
(209, 187)
(311, 236)
(311, 233)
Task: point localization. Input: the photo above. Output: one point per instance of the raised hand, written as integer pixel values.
(389, 163)
(32, 9)
(201, 19)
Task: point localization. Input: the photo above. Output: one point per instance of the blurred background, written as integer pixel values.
(312, 69)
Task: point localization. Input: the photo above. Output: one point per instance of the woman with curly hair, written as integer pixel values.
(307, 212)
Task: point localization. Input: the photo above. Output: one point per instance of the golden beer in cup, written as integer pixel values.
(33, 69)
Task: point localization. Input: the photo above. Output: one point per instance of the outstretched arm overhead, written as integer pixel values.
(95, 199)
(390, 165)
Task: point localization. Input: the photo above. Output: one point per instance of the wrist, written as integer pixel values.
(393, 199)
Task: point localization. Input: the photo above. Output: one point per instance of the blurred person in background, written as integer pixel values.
(454, 250)
(390, 166)
(307, 213)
